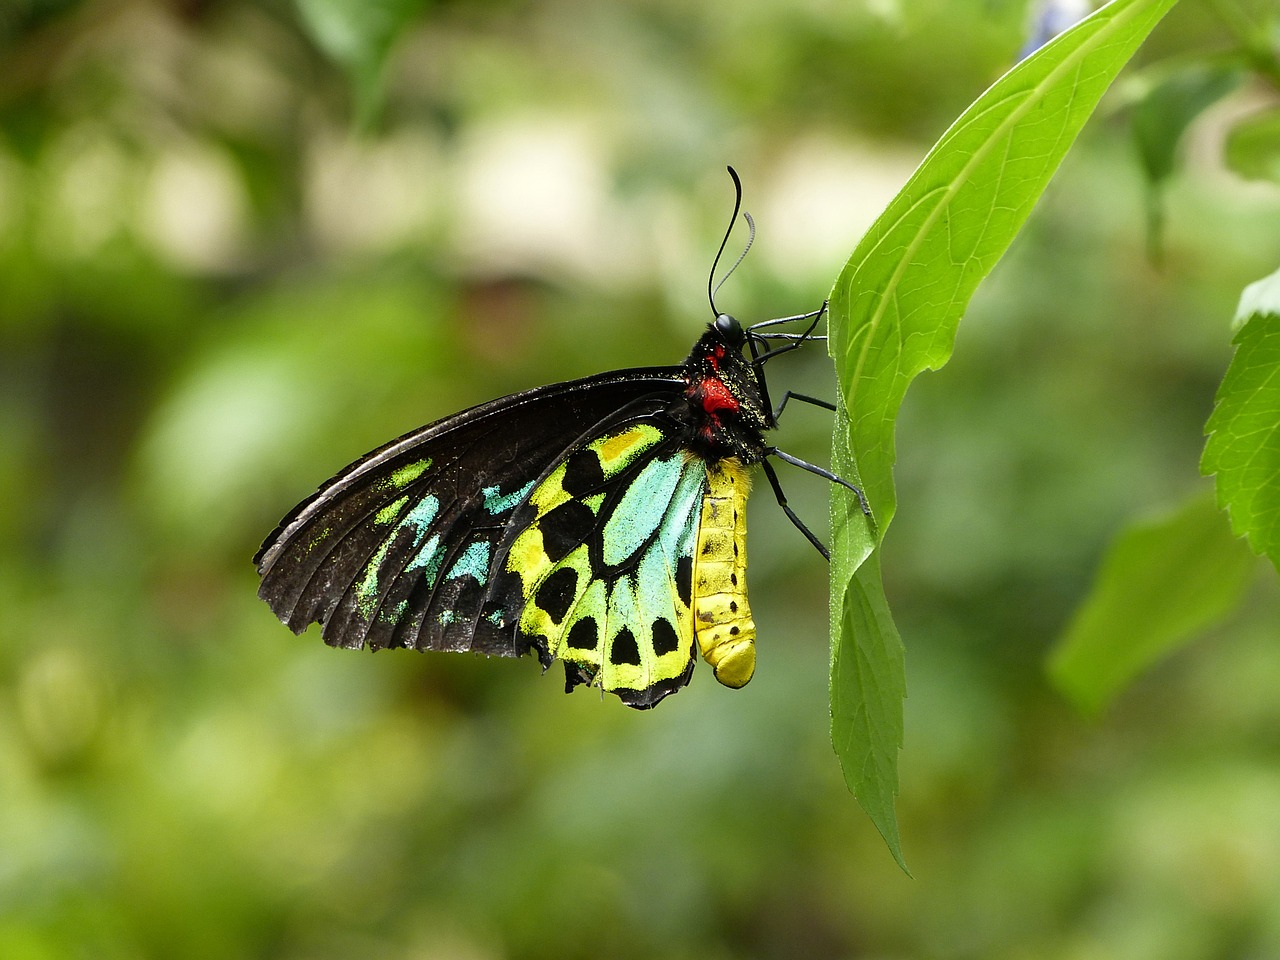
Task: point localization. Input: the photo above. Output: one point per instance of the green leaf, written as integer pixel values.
(359, 34)
(1162, 582)
(1260, 297)
(868, 684)
(1243, 449)
(1253, 147)
(894, 312)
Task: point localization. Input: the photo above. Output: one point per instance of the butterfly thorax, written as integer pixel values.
(725, 409)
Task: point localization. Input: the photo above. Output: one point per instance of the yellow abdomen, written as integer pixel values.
(721, 616)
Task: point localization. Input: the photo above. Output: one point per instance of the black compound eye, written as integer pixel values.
(729, 328)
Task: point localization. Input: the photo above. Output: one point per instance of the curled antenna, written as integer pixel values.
(751, 238)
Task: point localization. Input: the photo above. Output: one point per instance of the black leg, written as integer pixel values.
(819, 471)
(799, 316)
(789, 336)
(793, 341)
(791, 514)
(791, 394)
(758, 361)
(755, 341)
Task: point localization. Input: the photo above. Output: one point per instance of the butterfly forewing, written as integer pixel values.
(396, 549)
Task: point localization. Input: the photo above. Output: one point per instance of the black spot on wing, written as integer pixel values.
(684, 580)
(584, 634)
(557, 592)
(582, 473)
(665, 639)
(566, 527)
(624, 649)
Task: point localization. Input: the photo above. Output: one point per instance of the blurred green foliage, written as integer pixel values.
(215, 289)
(1160, 585)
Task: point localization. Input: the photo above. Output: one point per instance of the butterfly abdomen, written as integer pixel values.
(722, 617)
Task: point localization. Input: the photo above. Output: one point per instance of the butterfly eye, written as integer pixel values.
(729, 328)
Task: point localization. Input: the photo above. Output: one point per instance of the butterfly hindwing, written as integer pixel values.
(604, 561)
(397, 549)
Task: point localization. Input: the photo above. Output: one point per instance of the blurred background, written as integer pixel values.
(241, 243)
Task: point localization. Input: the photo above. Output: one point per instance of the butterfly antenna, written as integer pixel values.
(751, 238)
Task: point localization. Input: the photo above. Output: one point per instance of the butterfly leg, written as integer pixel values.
(791, 336)
(793, 342)
(758, 359)
(791, 514)
(821, 472)
(811, 315)
(791, 394)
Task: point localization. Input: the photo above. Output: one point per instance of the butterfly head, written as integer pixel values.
(726, 399)
(730, 330)
(728, 340)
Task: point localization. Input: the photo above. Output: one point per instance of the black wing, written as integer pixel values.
(397, 548)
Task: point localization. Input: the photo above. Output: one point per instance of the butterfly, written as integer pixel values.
(599, 521)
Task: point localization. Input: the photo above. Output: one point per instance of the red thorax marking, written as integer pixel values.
(715, 396)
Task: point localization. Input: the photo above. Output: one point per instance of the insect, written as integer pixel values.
(600, 522)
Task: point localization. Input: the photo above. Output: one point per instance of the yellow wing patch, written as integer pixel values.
(612, 452)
